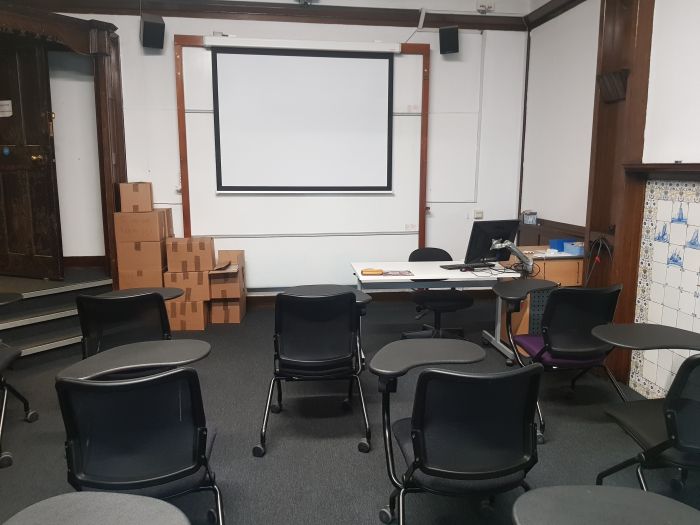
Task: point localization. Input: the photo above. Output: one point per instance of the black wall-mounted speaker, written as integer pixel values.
(152, 31)
(449, 40)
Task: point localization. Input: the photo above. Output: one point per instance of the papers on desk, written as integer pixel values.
(393, 273)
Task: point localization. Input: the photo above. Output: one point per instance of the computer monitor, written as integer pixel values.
(483, 233)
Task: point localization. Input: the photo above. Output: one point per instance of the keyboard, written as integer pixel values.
(467, 266)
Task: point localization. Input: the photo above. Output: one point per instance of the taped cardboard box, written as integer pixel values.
(182, 315)
(133, 227)
(233, 256)
(135, 197)
(228, 311)
(168, 219)
(193, 254)
(140, 278)
(142, 255)
(194, 284)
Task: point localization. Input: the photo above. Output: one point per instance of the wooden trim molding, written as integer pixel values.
(424, 51)
(682, 172)
(284, 12)
(548, 11)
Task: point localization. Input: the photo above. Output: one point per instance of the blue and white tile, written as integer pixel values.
(664, 378)
(689, 281)
(649, 370)
(673, 276)
(684, 321)
(659, 252)
(655, 313)
(665, 359)
(678, 234)
(686, 303)
(656, 293)
(664, 210)
(694, 214)
(669, 316)
(671, 297)
(679, 214)
(658, 273)
(692, 240)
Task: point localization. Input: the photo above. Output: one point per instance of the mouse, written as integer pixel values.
(464, 269)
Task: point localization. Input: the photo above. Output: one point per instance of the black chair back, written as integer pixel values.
(133, 433)
(429, 254)
(475, 426)
(315, 332)
(109, 322)
(571, 314)
(682, 406)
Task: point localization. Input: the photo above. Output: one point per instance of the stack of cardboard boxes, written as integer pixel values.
(145, 244)
(140, 232)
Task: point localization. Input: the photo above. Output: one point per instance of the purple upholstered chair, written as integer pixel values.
(566, 342)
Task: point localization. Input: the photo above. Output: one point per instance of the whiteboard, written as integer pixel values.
(299, 120)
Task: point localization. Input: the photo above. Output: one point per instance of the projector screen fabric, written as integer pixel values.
(302, 121)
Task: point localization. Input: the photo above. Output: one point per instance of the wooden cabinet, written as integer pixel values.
(566, 272)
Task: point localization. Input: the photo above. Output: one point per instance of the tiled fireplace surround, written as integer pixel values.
(669, 272)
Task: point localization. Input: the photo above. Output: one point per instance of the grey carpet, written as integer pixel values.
(312, 472)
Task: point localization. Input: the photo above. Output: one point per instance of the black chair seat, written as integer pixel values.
(7, 355)
(642, 420)
(443, 300)
(402, 433)
(577, 344)
(337, 370)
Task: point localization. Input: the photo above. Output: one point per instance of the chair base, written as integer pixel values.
(430, 332)
(644, 463)
(30, 416)
(364, 445)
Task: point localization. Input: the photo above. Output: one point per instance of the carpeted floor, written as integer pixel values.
(312, 472)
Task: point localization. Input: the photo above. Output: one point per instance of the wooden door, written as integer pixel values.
(30, 231)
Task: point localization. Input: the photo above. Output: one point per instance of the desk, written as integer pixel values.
(646, 336)
(395, 359)
(138, 356)
(166, 293)
(587, 505)
(105, 508)
(428, 274)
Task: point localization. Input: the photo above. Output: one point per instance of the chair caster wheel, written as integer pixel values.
(275, 409)
(364, 446)
(346, 405)
(31, 416)
(259, 451)
(485, 342)
(6, 460)
(386, 516)
(540, 438)
(677, 485)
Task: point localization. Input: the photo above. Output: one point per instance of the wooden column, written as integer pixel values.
(615, 200)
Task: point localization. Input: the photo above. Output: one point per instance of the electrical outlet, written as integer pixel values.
(486, 6)
(478, 214)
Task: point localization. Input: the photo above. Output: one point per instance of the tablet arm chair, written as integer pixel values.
(107, 322)
(146, 435)
(315, 340)
(566, 342)
(667, 429)
(8, 355)
(438, 301)
(469, 434)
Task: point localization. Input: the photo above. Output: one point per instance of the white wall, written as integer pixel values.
(152, 139)
(561, 91)
(77, 162)
(673, 112)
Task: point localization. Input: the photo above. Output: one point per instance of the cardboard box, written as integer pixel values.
(135, 197)
(194, 254)
(228, 311)
(133, 227)
(140, 278)
(192, 315)
(142, 255)
(168, 218)
(228, 283)
(194, 284)
(233, 256)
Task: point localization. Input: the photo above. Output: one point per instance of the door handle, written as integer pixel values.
(37, 157)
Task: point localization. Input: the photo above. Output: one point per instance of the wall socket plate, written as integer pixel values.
(478, 214)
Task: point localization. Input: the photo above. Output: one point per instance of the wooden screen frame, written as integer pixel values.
(182, 41)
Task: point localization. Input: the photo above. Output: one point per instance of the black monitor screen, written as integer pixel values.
(483, 234)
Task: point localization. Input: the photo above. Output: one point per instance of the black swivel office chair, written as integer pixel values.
(566, 342)
(107, 322)
(438, 301)
(315, 340)
(147, 435)
(469, 434)
(7, 357)
(667, 429)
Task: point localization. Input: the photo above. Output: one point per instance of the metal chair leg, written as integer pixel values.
(578, 376)
(640, 478)
(540, 428)
(615, 383)
(5, 457)
(615, 468)
(259, 450)
(402, 506)
(365, 444)
(276, 409)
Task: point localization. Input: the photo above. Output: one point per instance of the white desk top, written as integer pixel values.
(429, 271)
